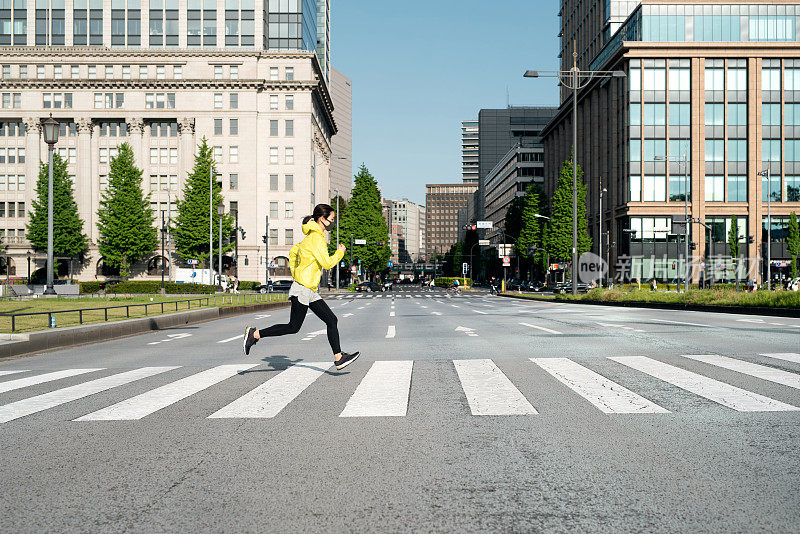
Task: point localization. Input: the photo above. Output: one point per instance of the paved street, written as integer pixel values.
(463, 413)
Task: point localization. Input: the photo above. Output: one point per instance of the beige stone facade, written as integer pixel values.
(442, 204)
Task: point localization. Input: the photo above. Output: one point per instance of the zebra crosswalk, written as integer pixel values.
(385, 390)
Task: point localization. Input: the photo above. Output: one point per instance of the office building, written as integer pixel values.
(162, 76)
(406, 221)
(442, 203)
(469, 152)
(342, 142)
(715, 83)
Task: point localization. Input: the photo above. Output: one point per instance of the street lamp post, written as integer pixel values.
(163, 233)
(51, 138)
(574, 79)
(767, 172)
(547, 270)
(169, 235)
(337, 236)
(220, 213)
(685, 160)
(600, 230)
(211, 225)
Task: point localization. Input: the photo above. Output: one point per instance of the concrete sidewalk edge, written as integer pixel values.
(743, 310)
(60, 338)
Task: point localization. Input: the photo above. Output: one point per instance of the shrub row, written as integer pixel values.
(146, 287)
(447, 281)
(723, 296)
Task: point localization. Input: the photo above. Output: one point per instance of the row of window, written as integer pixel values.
(15, 209)
(288, 237)
(11, 100)
(126, 72)
(288, 212)
(651, 188)
(12, 129)
(12, 182)
(12, 155)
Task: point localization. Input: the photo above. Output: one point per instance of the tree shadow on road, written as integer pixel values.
(280, 362)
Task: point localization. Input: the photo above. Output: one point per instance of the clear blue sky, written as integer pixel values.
(421, 67)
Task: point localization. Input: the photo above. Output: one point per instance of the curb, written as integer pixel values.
(742, 310)
(60, 338)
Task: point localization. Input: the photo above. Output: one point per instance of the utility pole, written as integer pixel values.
(236, 252)
(210, 225)
(600, 231)
(337, 236)
(266, 249)
(351, 256)
(163, 231)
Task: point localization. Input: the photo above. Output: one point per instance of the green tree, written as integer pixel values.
(68, 236)
(363, 219)
(559, 238)
(793, 242)
(125, 219)
(340, 217)
(733, 243)
(192, 223)
(513, 220)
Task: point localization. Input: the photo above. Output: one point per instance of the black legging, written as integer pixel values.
(298, 315)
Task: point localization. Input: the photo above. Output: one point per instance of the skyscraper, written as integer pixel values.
(342, 143)
(469, 151)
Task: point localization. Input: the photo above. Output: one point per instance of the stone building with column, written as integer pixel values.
(267, 113)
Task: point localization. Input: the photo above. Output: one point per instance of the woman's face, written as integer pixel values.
(327, 222)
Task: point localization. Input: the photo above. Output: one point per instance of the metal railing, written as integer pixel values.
(236, 299)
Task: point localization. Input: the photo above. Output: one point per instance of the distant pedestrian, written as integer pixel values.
(307, 259)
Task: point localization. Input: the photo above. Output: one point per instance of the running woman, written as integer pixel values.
(306, 261)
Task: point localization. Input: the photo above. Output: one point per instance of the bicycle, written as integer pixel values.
(454, 290)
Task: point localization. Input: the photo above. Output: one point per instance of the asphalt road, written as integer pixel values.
(469, 413)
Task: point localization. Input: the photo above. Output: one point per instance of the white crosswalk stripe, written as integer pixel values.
(268, 399)
(736, 398)
(11, 385)
(786, 356)
(383, 392)
(489, 391)
(759, 371)
(604, 394)
(4, 373)
(32, 405)
(159, 398)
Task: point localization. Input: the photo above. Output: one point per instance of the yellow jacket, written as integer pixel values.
(310, 256)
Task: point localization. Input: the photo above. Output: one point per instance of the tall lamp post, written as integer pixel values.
(576, 80)
(600, 229)
(220, 213)
(767, 172)
(540, 216)
(685, 160)
(50, 127)
(163, 234)
(211, 174)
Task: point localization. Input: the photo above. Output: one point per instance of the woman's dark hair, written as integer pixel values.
(320, 211)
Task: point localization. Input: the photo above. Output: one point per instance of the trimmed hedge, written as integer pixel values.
(148, 286)
(246, 285)
(90, 287)
(722, 296)
(447, 281)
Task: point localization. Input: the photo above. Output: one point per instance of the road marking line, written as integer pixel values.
(759, 371)
(435, 313)
(391, 314)
(787, 356)
(489, 391)
(261, 316)
(605, 395)
(361, 307)
(453, 305)
(383, 392)
(39, 403)
(240, 336)
(541, 328)
(424, 307)
(481, 312)
(390, 332)
(312, 335)
(3, 373)
(268, 399)
(347, 315)
(41, 379)
(159, 398)
(738, 399)
(680, 322)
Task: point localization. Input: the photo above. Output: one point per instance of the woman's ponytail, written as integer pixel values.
(307, 218)
(320, 211)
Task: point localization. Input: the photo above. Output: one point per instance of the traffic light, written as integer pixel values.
(751, 239)
(242, 231)
(264, 238)
(692, 246)
(473, 227)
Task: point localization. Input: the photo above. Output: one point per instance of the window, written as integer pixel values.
(775, 183)
(289, 182)
(234, 72)
(160, 101)
(234, 181)
(273, 236)
(234, 100)
(654, 189)
(636, 114)
(289, 128)
(655, 115)
(149, 100)
(12, 210)
(234, 126)
(793, 188)
(791, 79)
(680, 114)
(153, 182)
(217, 126)
(173, 156)
(679, 79)
(770, 114)
(233, 154)
(161, 72)
(126, 72)
(791, 114)
(273, 128)
(289, 209)
(715, 188)
(715, 114)
(218, 154)
(12, 182)
(92, 72)
(289, 155)
(737, 188)
(153, 156)
(177, 72)
(57, 72)
(218, 72)
(737, 150)
(273, 182)
(715, 150)
(142, 71)
(289, 102)
(652, 148)
(289, 236)
(715, 80)
(771, 150)
(273, 74)
(109, 72)
(737, 114)
(649, 228)
(103, 156)
(273, 210)
(20, 155)
(40, 72)
(23, 71)
(289, 74)
(217, 100)
(770, 79)
(273, 155)
(273, 102)
(164, 156)
(792, 150)
(654, 79)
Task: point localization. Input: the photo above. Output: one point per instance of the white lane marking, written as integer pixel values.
(759, 371)
(453, 305)
(392, 306)
(159, 398)
(481, 312)
(435, 313)
(786, 356)
(424, 307)
(360, 307)
(312, 335)
(268, 399)
(390, 332)
(391, 314)
(409, 296)
(3, 373)
(347, 315)
(240, 336)
(171, 337)
(264, 316)
(620, 326)
(738, 399)
(605, 395)
(41, 379)
(32, 405)
(383, 392)
(680, 322)
(549, 331)
(489, 391)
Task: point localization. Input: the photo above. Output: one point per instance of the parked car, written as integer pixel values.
(369, 286)
(277, 285)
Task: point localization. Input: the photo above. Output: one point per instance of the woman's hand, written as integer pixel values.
(341, 247)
